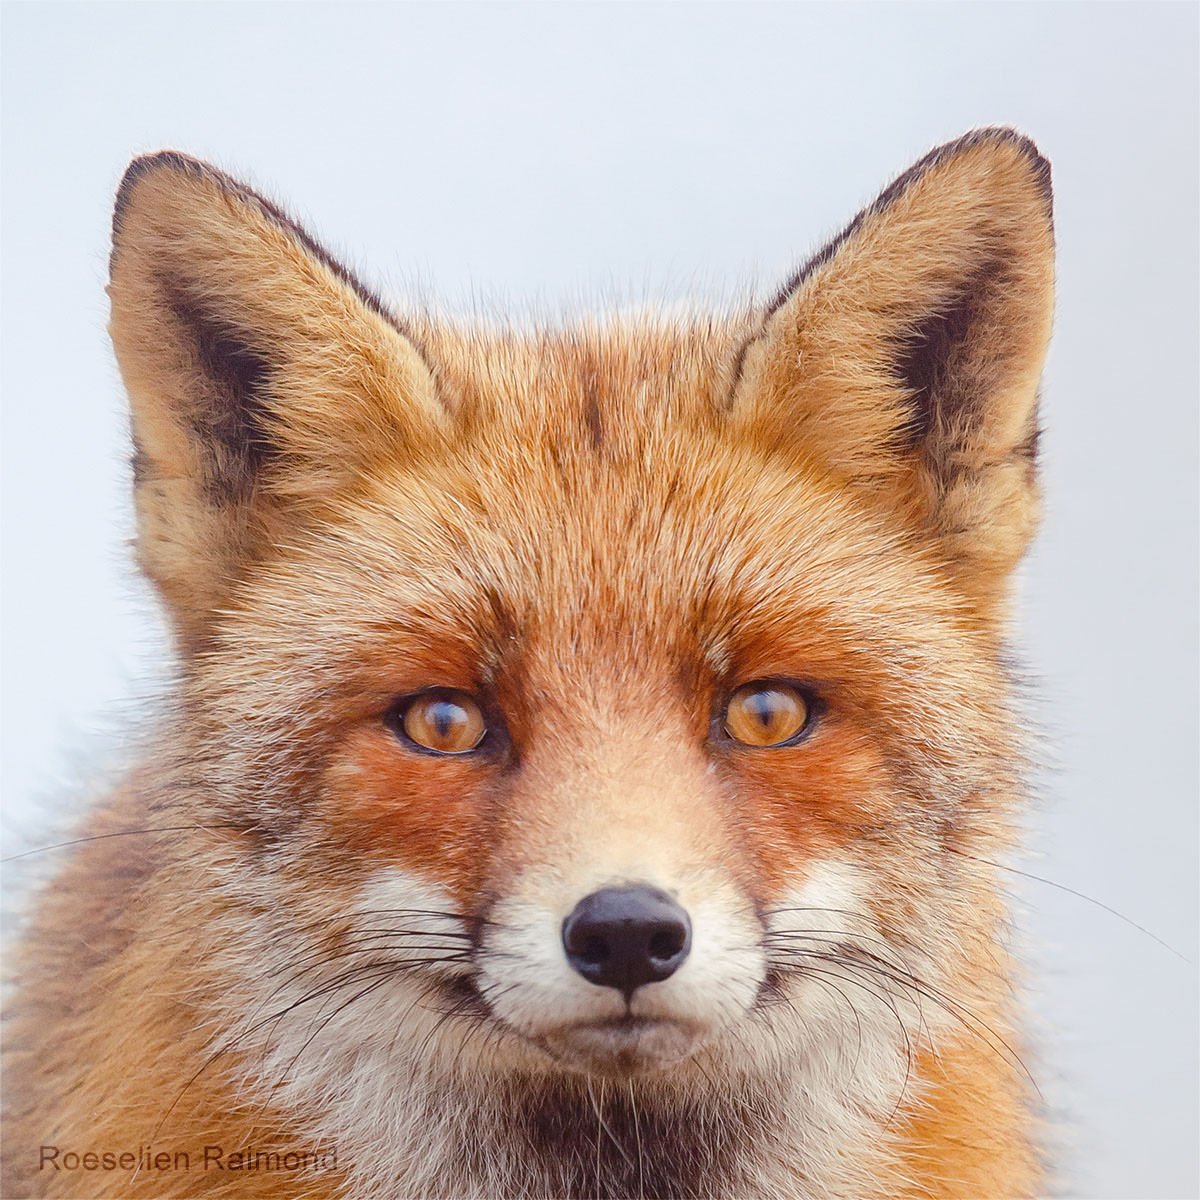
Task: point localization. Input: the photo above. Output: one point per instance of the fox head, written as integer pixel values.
(621, 702)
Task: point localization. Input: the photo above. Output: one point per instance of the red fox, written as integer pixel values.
(592, 746)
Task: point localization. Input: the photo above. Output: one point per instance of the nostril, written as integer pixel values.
(667, 943)
(594, 951)
(626, 937)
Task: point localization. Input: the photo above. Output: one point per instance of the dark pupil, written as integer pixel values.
(762, 705)
(445, 716)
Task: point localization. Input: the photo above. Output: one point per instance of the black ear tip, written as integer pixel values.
(146, 165)
(185, 169)
(217, 183)
(1002, 135)
(158, 160)
(161, 160)
(994, 136)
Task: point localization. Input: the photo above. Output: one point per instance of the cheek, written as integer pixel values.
(424, 814)
(811, 801)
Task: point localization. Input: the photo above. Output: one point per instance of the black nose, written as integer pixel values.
(622, 937)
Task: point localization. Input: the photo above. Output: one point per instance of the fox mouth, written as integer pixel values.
(621, 1047)
(617, 1047)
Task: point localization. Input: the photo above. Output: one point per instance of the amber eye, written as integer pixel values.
(444, 721)
(766, 714)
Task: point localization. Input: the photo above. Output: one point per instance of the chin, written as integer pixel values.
(622, 1048)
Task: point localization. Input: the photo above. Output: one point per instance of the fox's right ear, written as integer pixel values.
(262, 378)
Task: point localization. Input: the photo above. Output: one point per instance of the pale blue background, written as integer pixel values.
(542, 154)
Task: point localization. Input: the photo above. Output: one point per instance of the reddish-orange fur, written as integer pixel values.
(600, 530)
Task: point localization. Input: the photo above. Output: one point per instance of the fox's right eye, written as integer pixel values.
(440, 721)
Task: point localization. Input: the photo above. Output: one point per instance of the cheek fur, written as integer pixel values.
(810, 801)
(425, 814)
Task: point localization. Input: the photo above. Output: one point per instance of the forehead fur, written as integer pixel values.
(594, 481)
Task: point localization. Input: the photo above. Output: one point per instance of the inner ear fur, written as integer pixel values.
(262, 377)
(904, 357)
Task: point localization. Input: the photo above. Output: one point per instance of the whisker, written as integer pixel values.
(839, 937)
(346, 978)
(445, 1016)
(373, 986)
(1062, 887)
(496, 1032)
(100, 837)
(457, 918)
(967, 1018)
(871, 922)
(451, 958)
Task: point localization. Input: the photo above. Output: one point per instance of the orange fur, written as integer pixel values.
(599, 531)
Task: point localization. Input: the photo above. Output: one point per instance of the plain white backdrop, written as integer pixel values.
(542, 156)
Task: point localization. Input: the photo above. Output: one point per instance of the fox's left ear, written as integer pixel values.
(905, 357)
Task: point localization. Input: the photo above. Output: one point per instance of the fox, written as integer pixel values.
(594, 745)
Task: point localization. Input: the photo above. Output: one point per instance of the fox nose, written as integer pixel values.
(623, 937)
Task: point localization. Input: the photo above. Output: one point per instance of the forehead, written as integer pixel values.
(609, 441)
(594, 489)
(624, 375)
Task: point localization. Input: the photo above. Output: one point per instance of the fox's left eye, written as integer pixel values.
(444, 721)
(765, 713)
